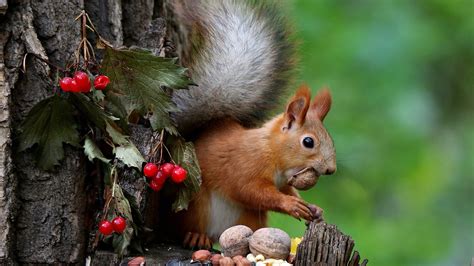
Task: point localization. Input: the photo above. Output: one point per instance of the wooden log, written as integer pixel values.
(324, 244)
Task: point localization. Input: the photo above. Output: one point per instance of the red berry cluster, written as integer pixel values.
(81, 82)
(117, 225)
(158, 175)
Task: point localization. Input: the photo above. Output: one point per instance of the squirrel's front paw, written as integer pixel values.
(297, 208)
(317, 212)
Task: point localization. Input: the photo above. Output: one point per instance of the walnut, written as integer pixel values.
(235, 241)
(304, 179)
(271, 243)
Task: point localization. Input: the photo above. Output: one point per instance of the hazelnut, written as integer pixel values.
(271, 243)
(226, 261)
(244, 262)
(201, 255)
(137, 261)
(215, 259)
(237, 258)
(235, 240)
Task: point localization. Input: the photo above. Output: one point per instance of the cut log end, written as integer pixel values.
(324, 244)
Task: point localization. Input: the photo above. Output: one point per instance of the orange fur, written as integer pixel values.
(244, 165)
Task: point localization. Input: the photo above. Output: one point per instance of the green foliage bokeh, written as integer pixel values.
(402, 78)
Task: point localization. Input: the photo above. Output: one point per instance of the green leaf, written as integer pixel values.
(115, 135)
(92, 111)
(121, 204)
(138, 223)
(163, 121)
(129, 155)
(126, 151)
(93, 152)
(50, 123)
(138, 77)
(120, 242)
(98, 95)
(115, 106)
(184, 154)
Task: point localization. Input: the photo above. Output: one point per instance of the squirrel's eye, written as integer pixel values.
(308, 142)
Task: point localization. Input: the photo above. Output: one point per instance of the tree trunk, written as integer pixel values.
(44, 212)
(43, 217)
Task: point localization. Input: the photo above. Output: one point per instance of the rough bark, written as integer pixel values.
(107, 17)
(7, 185)
(323, 244)
(43, 216)
(48, 206)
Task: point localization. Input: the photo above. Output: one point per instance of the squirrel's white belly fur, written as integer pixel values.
(224, 214)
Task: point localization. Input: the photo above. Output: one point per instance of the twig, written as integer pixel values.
(43, 60)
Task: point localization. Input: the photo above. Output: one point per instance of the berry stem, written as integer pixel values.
(169, 153)
(43, 60)
(84, 37)
(161, 144)
(114, 173)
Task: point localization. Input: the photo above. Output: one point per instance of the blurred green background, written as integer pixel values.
(402, 77)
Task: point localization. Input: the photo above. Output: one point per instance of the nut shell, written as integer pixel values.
(235, 241)
(271, 243)
(241, 261)
(201, 255)
(215, 259)
(304, 180)
(226, 261)
(237, 258)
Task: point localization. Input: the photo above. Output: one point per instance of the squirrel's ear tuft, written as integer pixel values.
(297, 107)
(321, 103)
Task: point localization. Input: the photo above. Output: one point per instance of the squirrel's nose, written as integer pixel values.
(330, 170)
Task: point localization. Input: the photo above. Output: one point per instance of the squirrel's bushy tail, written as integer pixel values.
(239, 54)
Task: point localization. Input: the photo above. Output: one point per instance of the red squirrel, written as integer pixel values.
(240, 56)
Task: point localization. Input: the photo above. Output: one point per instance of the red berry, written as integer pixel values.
(83, 81)
(167, 169)
(150, 170)
(106, 228)
(119, 224)
(75, 86)
(156, 186)
(179, 174)
(66, 84)
(101, 82)
(160, 178)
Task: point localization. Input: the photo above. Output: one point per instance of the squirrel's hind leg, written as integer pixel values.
(197, 240)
